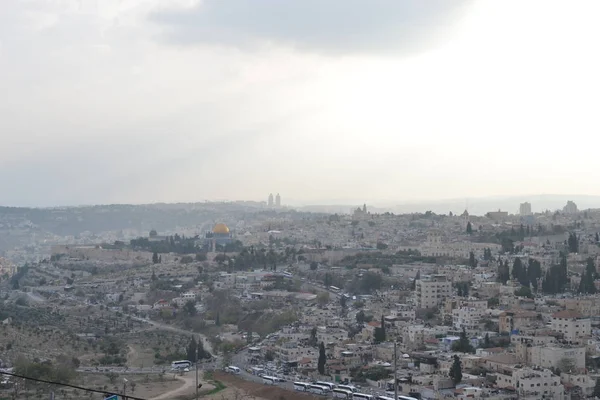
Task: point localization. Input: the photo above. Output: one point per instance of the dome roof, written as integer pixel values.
(221, 229)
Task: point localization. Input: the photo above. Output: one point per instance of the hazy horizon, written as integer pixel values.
(475, 206)
(146, 101)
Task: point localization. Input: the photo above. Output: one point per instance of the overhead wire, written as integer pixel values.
(103, 392)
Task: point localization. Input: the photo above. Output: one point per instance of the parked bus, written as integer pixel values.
(318, 389)
(361, 396)
(326, 384)
(269, 380)
(232, 369)
(183, 364)
(301, 386)
(351, 388)
(334, 288)
(407, 398)
(257, 370)
(385, 398)
(342, 393)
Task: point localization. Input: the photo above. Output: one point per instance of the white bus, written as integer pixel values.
(183, 364)
(342, 393)
(351, 388)
(407, 398)
(334, 288)
(269, 380)
(301, 386)
(361, 396)
(326, 384)
(318, 389)
(233, 369)
(384, 398)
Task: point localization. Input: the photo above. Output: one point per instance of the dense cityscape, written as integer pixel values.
(263, 299)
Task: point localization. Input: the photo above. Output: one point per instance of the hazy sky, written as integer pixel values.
(321, 100)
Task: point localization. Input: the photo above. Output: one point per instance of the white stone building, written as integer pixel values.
(431, 291)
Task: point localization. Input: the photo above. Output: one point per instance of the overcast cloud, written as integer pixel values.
(177, 100)
(331, 26)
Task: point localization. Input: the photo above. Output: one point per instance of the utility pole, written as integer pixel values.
(197, 373)
(395, 371)
(124, 388)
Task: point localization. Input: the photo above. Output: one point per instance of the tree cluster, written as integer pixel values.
(196, 352)
(527, 275)
(503, 274)
(171, 244)
(586, 285)
(556, 279)
(573, 243)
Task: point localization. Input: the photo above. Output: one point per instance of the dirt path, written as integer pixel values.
(189, 385)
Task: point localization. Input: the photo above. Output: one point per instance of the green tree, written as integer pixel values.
(155, 258)
(201, 351)
(486, 340)
(456, 371)
(524, 291)
(503, 275)
(573, 243)
(314, 265)
(379, 334)
(192, 350)
(518, 270)
(190, 308)
(586, 284)
(463, 344)
(381, 246)
(472, 260)
(323, 298)
(469, 228)
(322, 359)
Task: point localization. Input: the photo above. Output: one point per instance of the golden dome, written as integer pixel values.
(221, 229)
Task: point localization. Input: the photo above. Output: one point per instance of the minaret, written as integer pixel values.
(365, 208)
(278, 200)
(270, 202)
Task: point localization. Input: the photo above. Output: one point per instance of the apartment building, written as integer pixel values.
(431, 291)
(572, 325)
(291, 352)
(531, 383)
(525, 208)
(512, 320)
(556, 356)
(467, 318)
